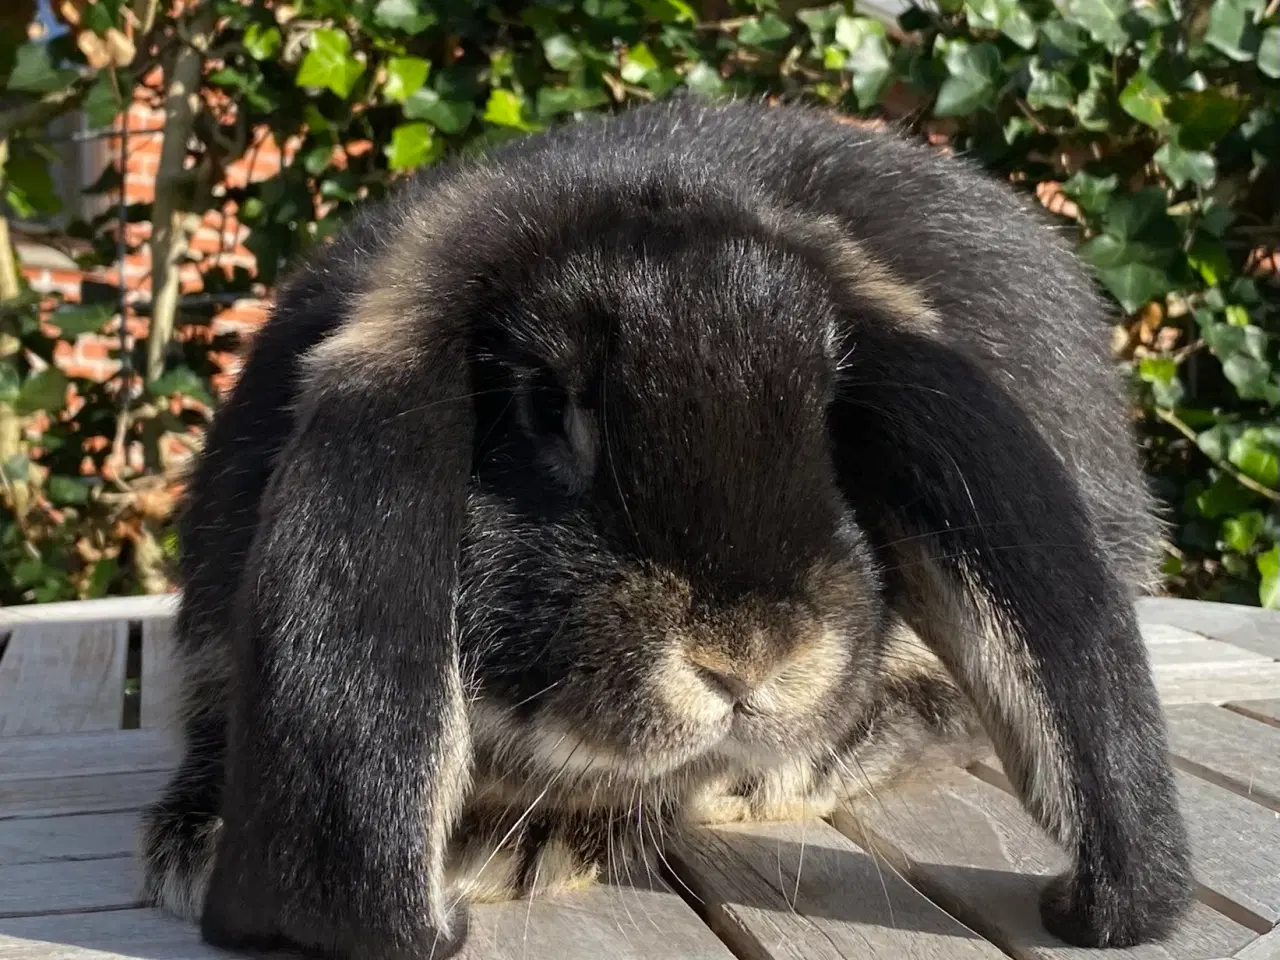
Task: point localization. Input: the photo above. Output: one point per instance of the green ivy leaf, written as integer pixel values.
(762, 31)
(447, 116)
(1187, 166)
(405, 77)
(1269, 53)
(1269, 569)
(506, 109)
(412, 145)
(1231, 28)
(1208, 257)
(1204, 117)
(29, 185)
(1162, 374)
(1252, 378)
(703, 79)
(1256, 453)
(182, 381)
(668, 11)
(1104, 21)
(1224, 497)
(1092, 194)
(329, 63)
(73, 321)
(972, 82)
(68, 490)
(1129, 214)
(101, 105)
(552, 101)
(10, 382)
(34, 72)
(1065, 36)
(1135, 284)
(1049, 88)
(406, 16)
(262, 42)
(637, 63)
(1144, 99)
(46, 390)
(1006, 16)
(869, 60)
(1240, 532)
(561, 53)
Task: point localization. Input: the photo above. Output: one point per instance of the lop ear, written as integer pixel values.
(992, 559)
(348, 746)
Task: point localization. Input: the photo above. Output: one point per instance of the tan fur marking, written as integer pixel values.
(380, 329)
(864, 275)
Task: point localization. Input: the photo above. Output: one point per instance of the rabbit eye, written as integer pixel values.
(545, 404)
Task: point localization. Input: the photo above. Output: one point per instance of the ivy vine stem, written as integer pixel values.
(1171, 418)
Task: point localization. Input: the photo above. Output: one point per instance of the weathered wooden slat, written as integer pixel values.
(632, 923)
(641, 922)
(93, 836)
(1157, 633)
(803, 891)
(1237, 752)
(1268, 711)
(1192, 651)
(86, 754)
(59, 796)
(111, 935)
(1235, 846)
(53, 839)
(160, 681)
(1266, 947)
(68, 887)
(970, 845)
(1253, 628)
(78, 611)
(63, 678)
(1216, 683)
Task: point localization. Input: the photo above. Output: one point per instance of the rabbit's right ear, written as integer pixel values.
(349, 750)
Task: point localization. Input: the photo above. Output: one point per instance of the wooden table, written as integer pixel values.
(947, 869)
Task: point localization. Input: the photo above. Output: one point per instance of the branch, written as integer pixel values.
(1171, 418)
(173, 201)
(19, 495)
(36, 113)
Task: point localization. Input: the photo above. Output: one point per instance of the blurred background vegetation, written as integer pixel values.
(161, 163)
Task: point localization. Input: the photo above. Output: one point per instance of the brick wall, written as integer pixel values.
(217, 243)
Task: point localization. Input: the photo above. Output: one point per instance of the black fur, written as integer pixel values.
(643, 406)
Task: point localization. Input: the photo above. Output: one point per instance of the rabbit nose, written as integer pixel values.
(734, 685)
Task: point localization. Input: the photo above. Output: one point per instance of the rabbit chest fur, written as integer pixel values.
(706, 462)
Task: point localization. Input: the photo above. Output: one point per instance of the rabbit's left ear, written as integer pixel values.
(992, 559)
(349, 750)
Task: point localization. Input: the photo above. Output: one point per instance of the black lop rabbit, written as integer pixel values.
(699, 455)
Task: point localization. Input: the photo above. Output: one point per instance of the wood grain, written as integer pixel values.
(63, 678)
(1253, 628)
(1266, 947)
(111, 935)
(1268, 711)
(86, 754)
(79, 611)
(1216, 683)
(69, 886)
(969, 845)
(1237, 752)
(1235, 846)
(802, 891)
(59, 796)
(160, 680)
(85, 837)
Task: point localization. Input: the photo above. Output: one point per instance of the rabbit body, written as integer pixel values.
(705, 462)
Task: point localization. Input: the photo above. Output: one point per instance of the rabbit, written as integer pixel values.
(656, 469)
